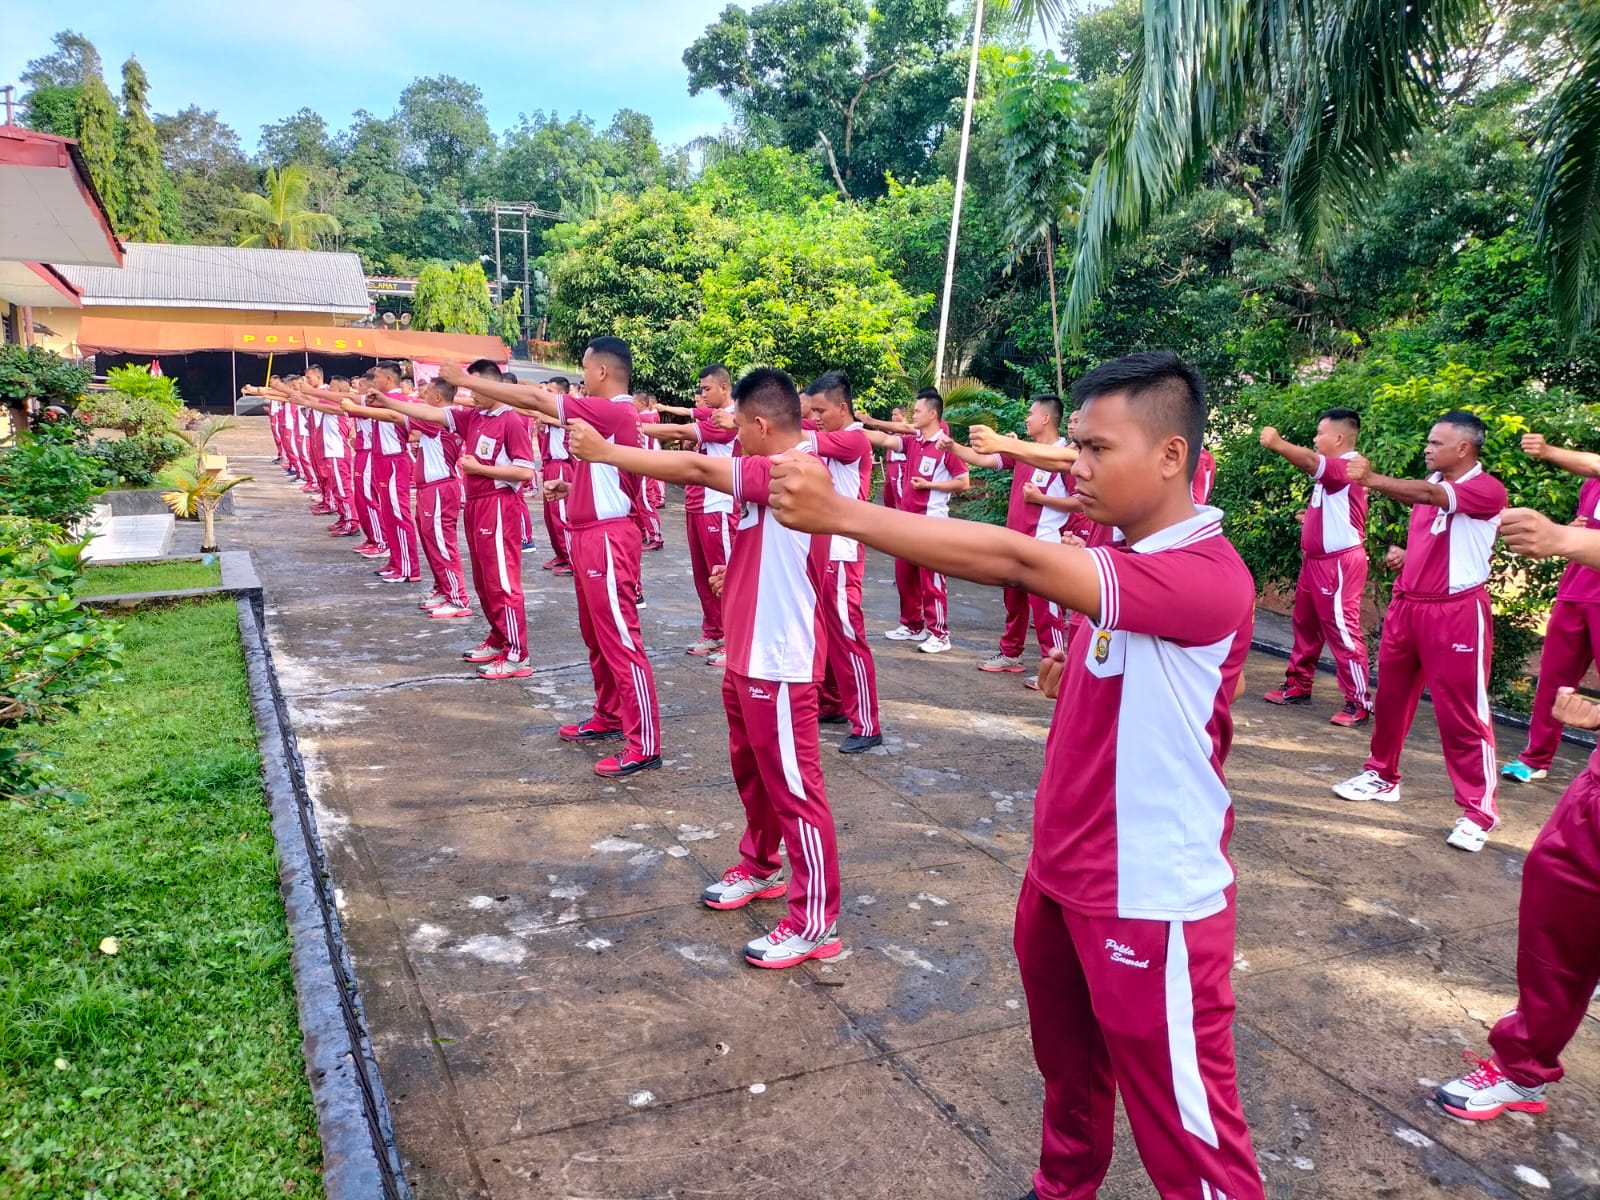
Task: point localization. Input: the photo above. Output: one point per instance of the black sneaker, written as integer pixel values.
(834, 719)
(857, 743)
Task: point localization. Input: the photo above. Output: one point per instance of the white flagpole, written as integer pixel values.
(961, 187)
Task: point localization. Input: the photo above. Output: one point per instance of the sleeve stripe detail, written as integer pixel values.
(522, 462)
(1109, 597)
(1322, 468)
(738, 480)
(1449, 490)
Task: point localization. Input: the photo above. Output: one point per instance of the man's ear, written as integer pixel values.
(1175, 456)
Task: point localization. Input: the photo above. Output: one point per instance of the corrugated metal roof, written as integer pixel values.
(227, 277)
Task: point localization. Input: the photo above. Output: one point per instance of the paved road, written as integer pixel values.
(556, 1017)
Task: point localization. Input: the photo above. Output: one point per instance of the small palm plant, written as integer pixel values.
(199, 491)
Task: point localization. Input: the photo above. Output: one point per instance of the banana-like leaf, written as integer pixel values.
(1566, 210)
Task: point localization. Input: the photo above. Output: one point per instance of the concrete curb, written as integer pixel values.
(238, 579)
(360, 1160)
(1511, 720)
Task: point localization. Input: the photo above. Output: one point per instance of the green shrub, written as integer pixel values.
(132, 415)
(52, 652)
(45, 477)
(135, 461)
(32, 372)
(1399, 397)
(137, 383)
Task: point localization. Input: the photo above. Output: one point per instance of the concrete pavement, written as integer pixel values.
(555, 1016)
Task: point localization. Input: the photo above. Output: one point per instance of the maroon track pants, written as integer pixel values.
(1558, 937)
(1143, 1008)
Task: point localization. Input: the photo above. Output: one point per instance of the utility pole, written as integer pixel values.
(9, 91)
(955, 212)
(521, 210)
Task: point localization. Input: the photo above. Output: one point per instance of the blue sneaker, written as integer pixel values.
(1521, 771)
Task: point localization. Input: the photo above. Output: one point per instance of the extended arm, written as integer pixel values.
(900, 427)
(671, 433)
(1298, 456)
(1407, 491)
(1574, 462)
(700, 470)
(968, 455)
(803, 498)
(883, 441)
(1534, 535)
(409, 408)
(673, 410)
(534, 397)
(1051, 458)
(951, 486)
(377, 414)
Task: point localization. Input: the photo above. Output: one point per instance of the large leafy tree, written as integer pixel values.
(1037, 110)
(868, 87)
(444, 128)
(138, 159)
(280, 219)
(1354, 82)
(97, 139)
(205, 163)
(72, 62)
(453, 298)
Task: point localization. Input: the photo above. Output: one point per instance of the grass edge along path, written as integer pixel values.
(133, 578)
(171, 1067)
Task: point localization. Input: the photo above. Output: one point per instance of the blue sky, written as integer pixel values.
(257, 63)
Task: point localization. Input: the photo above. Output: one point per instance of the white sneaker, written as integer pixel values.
(433, 601)
(506, 668)
(1487, 1093)
(1368, 785)
(717, 658)
(935, 645)
(784, 947)
(904, 633)
(1468, 835)
(448, 611)
(738, 887)
(704, 647)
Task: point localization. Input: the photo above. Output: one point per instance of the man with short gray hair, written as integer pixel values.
(1439, 631)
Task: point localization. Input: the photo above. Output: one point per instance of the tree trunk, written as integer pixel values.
(1055, 317)
(209, 511)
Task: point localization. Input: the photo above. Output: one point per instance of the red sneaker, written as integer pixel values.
(1351, 715)
(1285, 695)
(563, 569)
(625, 764)
(587, 731)
(550, 564)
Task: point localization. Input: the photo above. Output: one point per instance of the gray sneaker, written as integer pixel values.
(786, 947)
(738, 887)
(1002, 662)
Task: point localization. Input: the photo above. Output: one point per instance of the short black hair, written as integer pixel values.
(618, 351)
(340, 379)
(368, 373)
(485, 368)
(1170, 395)
(446, 391)
(1470, 424)
(560, 382)
(716, 371)
(1052, 404)
(1344, 416)
(768, 392)
(932, 398)
(509, 377)
(316, 368)
(835, 385)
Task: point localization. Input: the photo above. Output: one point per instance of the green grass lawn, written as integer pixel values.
(150, 577)
(173, 1068)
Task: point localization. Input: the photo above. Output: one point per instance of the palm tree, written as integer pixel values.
(1037, 108)
(280, 220)
(1355, 81)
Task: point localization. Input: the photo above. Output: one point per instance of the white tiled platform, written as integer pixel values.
(129, 538)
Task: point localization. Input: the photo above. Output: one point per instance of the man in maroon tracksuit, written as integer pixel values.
(850, 683)
(605, 546)
(1333, 567)
(1125, 922)
(774, 587)
(496, 459)
(1572, 636)
(709, 517)
(1439, 631)
(1040, 505)
(1558, 920)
